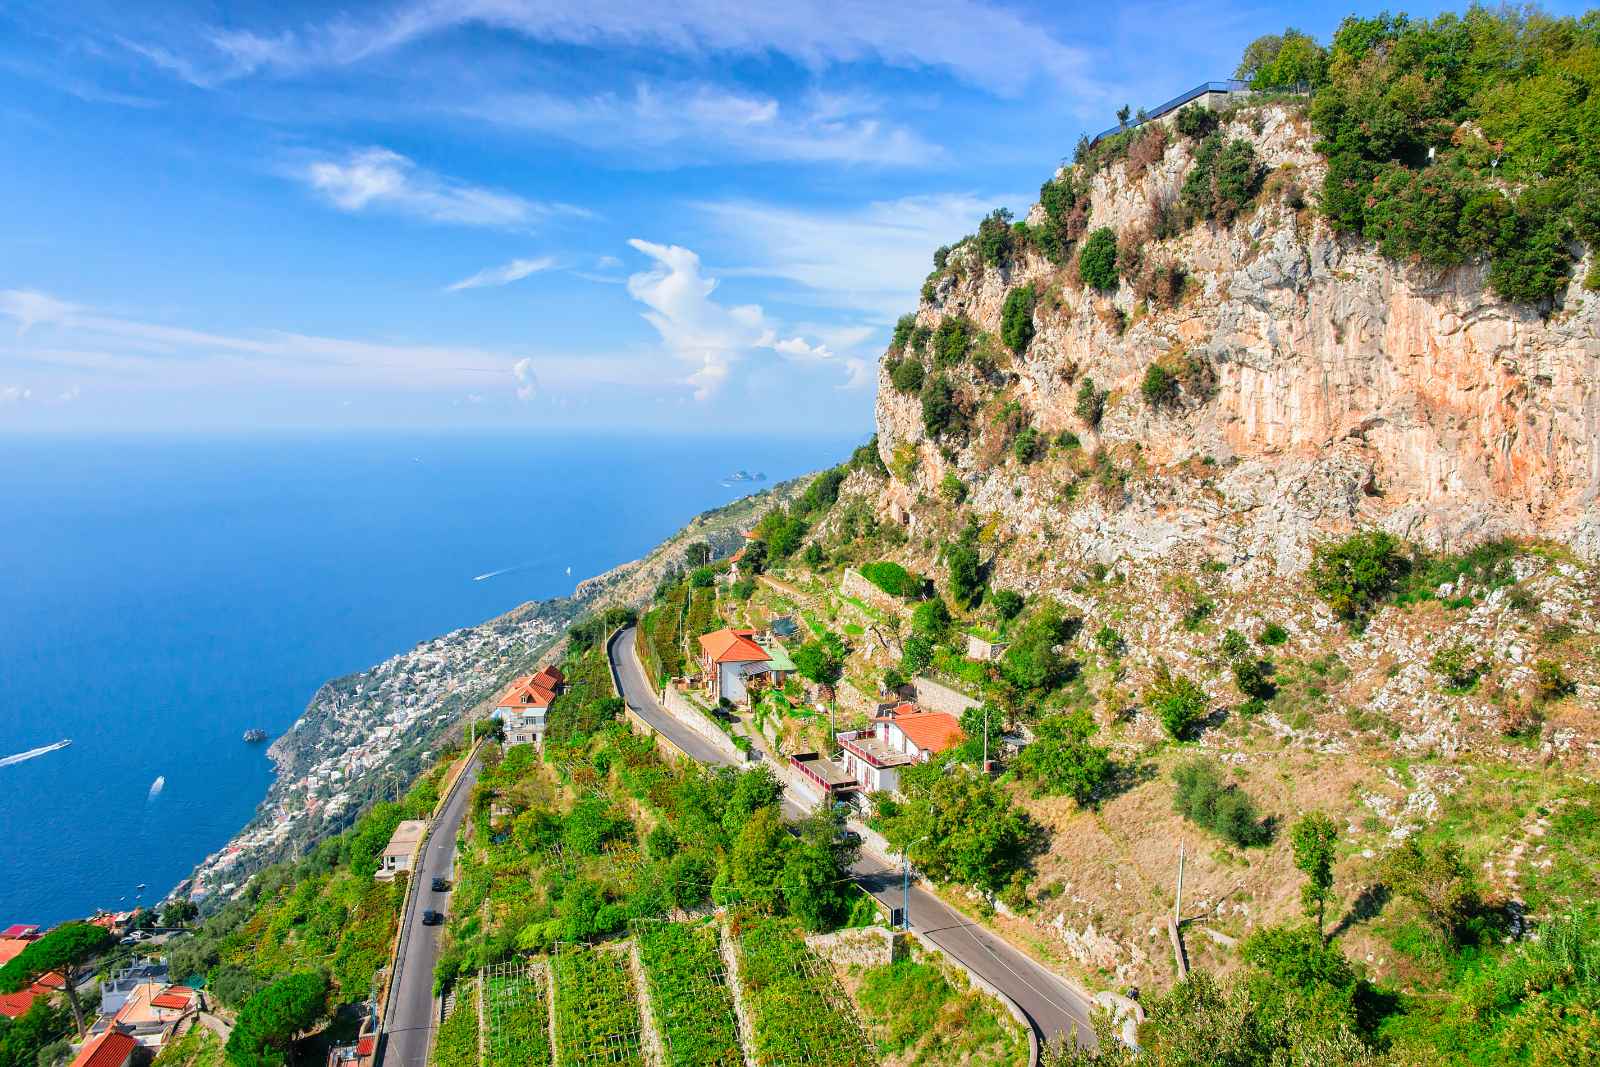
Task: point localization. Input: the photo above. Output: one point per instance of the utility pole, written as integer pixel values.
(985, 738)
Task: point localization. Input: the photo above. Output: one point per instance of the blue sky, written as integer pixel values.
(689, 216)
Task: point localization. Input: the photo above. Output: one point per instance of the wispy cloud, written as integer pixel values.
(698, 122)
(504, 274)
(869, 259)
(14, 394)
(378, 179)
(708, 337)
(999, 49)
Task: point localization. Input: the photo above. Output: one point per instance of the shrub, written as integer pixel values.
(1551, 681)
(1016, 319)
(1354, 574)
(1177, 701)
(1196, 121)
(931, 619)
(1459, 665)
(702, 577)
(965, 572)
(1097, 261)
(1159, 387)
(996, 240)
(1437, 880)
(902, 331)
(1062, 761)
(906, 374)
(892, 578)
(1027, 445)
(1251, 676)
(941, 415)
(952, 488)
(1202, 797)
(1272, 634)
(951, 341)
(916, 654)
(1110, 642)
(1007, 604)
(1233, 644)
(1091, 403)
(1067, 439)
(1226, 176)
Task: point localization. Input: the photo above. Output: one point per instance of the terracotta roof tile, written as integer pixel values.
(732, 646)
(16, 1005)
(112, 1049)
(931, 731)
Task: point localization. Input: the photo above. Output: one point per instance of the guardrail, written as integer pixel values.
(1168, 106)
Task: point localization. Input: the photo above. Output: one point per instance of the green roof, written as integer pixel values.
(778, 658)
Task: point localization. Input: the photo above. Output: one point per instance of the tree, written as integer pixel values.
(1225, 177)
(1437, 880)
(269, 1021)
(702, 577)
(818, 662)
(907, 375)
(931, 619)
(1313, 838)
(757, 859)
(917, 653)
(1177, 701)
(1091, 403)
(1354, 574)
(816, 872)
(965, 572)
(35, 1039)
(981, 723)
(1257, 54)
(1097, 261)
(755, 557)
(1159, 387)
(66, 949)
(941, 415)
(697, 554)
(1016, 319)
(179, 912)
(1062, 761)
(1298, 61)
(1205, 799)
(1032, 663)
(1007, 604)
(959, 826)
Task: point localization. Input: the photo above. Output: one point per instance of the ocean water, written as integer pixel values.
(158, 596)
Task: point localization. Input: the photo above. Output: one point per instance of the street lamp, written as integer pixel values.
(905, 881)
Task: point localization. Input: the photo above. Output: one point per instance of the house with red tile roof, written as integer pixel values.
(19, 932)
(16, 1005)
(730, 659)
(900, 736)
(111, 1049)
(525, 705)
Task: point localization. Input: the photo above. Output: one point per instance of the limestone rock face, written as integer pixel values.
(1334, 388)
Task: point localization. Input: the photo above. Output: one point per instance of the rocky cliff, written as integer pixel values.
(1322, 386)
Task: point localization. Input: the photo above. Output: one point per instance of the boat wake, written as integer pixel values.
(502, 570)
(32, 753)
(156, 787)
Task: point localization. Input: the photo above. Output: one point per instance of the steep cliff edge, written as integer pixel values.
(1321, 385)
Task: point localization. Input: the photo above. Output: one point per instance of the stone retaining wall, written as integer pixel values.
(855, 584)
(936, 696)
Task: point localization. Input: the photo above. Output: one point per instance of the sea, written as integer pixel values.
(161, 595)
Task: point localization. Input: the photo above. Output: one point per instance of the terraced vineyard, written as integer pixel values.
(517, 1016)
(597, 1009)
(798, 1011)
(689, 994)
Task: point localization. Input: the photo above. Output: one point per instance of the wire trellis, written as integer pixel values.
(690, 994)
(517, 1010)
(800, 1014)
(596, 1009)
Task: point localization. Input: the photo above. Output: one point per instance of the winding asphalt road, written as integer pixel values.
(1051, 1006)
(413, 1012)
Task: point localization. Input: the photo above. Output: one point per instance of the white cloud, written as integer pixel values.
(868, 259)
(14, 394)
(69, 394)
(999, 49)
(708, 337)
(527, 380)
(29, 307)
(607, 263)
(678, 122)
(376, 178)
(505, 274)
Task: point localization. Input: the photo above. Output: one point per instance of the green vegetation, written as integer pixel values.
(1062, 761)
(964, 570)
(1459, 666)
(892, 578)
(456, 1042)
(1027, 446)
(1225, 178)
(1091, 403)
(1202, 797)
(926, 1016)
(1465, 136)
(1159, 387)
(952, 340)
(941, 414)
(33, 1039)
(1178, 702)
(1283, 61)
(996, 240)
(270, 1020)
(1016, 318)
(1097, 261)
(1066, 217)
(1313, 838)
(798, 1012)
(1195, 121)
(517, 1006)
(959, 827)
(596, 1009)
(66, 949)
(198, 1047)
(907, 374)
(689, 994)
(1354, 574)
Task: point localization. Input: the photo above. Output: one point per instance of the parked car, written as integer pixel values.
(441, 885)
(432, 918)
(135, 938)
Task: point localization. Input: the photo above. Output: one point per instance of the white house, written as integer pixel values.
(730, 658)
(401, 852)
(525, 705)
(902, 735)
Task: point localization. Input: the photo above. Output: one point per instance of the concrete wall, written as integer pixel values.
(679, 707)
(936, 696)
(865, 946)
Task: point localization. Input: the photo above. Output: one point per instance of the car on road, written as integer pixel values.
(135, 938)
(432, 918)
(441, 885)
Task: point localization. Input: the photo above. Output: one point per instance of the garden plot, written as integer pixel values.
(597, 1010)
(689, 994)
(516, 1011)
(797, 1009)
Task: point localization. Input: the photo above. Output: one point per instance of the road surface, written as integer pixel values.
(413, 1013)
(1051, 1005)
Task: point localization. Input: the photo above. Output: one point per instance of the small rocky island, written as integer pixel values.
(255, 735)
